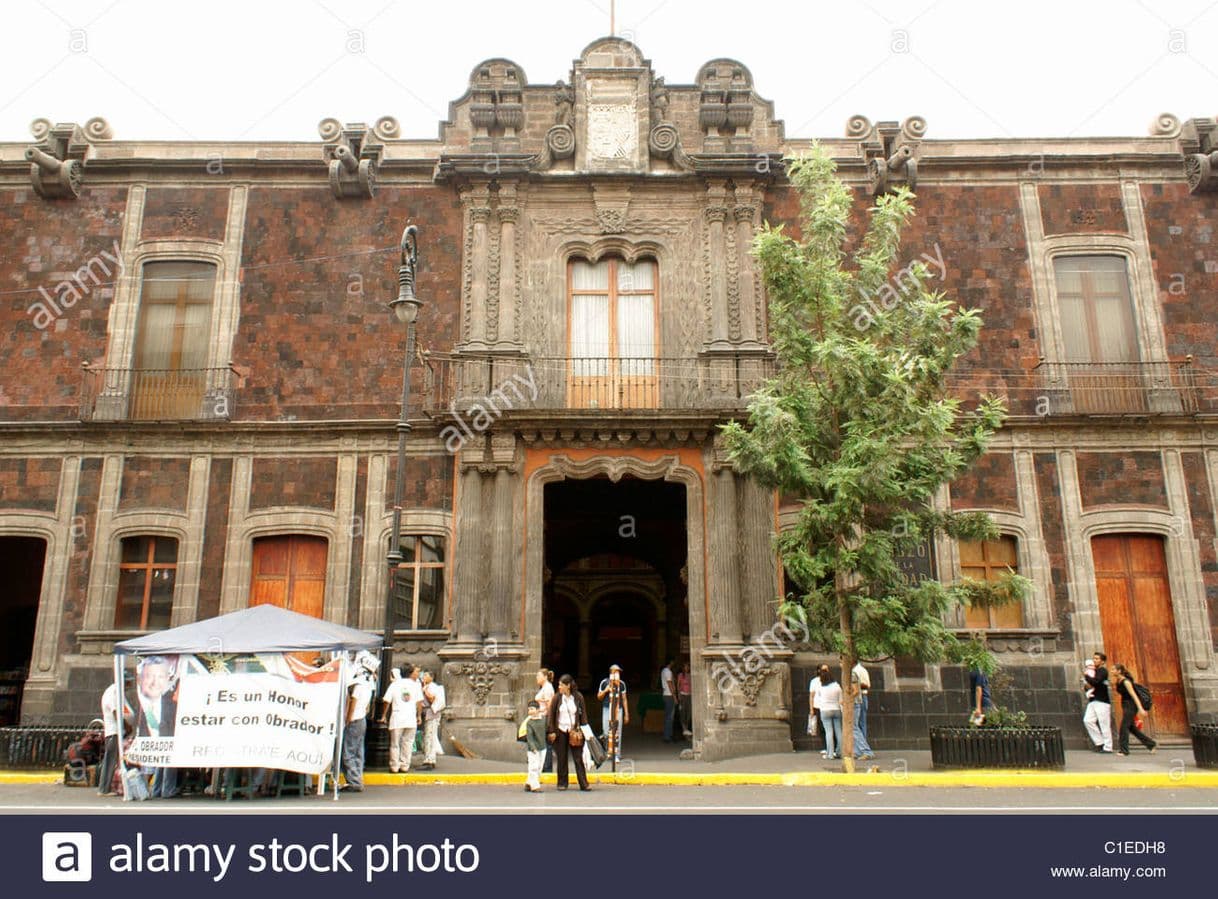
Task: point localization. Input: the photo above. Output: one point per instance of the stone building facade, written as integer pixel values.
(201, 380)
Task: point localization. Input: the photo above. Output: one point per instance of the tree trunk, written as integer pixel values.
(847, 660)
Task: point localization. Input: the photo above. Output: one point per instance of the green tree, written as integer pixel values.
(859, 425)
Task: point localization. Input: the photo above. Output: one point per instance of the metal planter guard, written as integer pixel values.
(982, 747)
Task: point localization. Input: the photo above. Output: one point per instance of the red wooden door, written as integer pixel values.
(1137, 623)
(290, 571)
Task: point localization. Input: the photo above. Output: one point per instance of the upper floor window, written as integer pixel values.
(172, 340)
(1096, 309)
(990, 560)
(147, 573)
(418, 584)
(613, 334)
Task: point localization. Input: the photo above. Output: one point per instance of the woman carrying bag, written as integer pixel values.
(1131, 706)
(563, 722)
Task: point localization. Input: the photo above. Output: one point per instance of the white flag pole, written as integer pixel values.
(342, 719)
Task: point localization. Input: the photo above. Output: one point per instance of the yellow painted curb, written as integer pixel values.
(1189, 779)
(973, 778)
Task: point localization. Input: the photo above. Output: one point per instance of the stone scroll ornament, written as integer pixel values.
(752, 684)
(57, 158)
(481, 677)
(353, 153)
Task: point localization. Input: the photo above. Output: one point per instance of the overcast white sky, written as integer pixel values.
(262, 70)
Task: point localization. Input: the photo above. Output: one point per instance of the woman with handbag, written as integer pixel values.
(563, 722)
(1131, 711)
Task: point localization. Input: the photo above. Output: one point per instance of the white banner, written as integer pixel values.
(245, 720)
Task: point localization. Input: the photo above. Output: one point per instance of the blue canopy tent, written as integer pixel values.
(263, 628)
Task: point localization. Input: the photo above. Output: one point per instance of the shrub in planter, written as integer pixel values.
(1003, 740)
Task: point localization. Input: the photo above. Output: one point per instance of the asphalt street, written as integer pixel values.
(635, 799)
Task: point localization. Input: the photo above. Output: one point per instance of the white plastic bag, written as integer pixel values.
(812, 728)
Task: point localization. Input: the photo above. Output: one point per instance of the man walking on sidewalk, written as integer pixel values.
(1098, 718)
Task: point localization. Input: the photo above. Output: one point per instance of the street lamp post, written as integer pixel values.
(406, 309)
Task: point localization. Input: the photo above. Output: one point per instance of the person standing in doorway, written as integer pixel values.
(685, 697)
(668, 688)
(1131, 710)
(434, 701)
(830, 699)
(567, 715)
(615, 709)
(860, 686)
(1098, 717)
(110, 704)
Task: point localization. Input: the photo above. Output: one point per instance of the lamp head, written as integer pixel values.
(406, 306)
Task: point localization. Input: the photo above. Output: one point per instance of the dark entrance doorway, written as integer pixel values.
(615, 591)
(21, 560)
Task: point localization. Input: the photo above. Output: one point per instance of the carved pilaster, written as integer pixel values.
(477, 217)
(509, 285)
(758, 574)
(716, 216)
(752, 312)
(503, 624)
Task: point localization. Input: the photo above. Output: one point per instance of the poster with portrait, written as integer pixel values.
(264, 710)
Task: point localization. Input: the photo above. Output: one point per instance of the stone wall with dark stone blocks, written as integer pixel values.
(316, 337)
(45, 243)
(978, 230)
(901, 719)
(1048, 489)
(180, 212)
(1181, 231)
(31, 484)
(1129, 477)
(154, 482)
(307, 481)
(1201, 508)
(989, 484)
(1082, 208)
(80, 548)
(219, 491)
(428, 483)
(80, 703)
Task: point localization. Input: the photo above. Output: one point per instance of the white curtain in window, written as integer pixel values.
(156, 337)
(590, 333)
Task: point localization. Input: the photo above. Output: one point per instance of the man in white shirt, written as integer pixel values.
(669, 688)
(109, 704)
(359, 698)
(401, 706)
(433, 705)
(860, 686)
(814, 686)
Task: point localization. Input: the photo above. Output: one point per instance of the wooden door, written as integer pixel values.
(290, 571)
(1138, 626)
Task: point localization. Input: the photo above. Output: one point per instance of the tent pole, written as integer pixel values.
(342, 719)
(122, 707)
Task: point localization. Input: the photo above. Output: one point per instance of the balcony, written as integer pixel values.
(709, 382)
(127, 394)
(1117, 388)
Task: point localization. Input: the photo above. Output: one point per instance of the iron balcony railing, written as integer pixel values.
(553, 383)
(1117, 388)
(129, 394)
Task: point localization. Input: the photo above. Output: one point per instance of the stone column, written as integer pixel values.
(501, 623)
(758, 580)
(716, 216)
(725, 560)
(470, 561)
(585, 648)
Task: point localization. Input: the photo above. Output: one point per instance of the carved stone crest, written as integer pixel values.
(481, 677)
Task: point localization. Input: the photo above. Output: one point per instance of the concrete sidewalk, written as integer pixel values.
(1171, 767)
